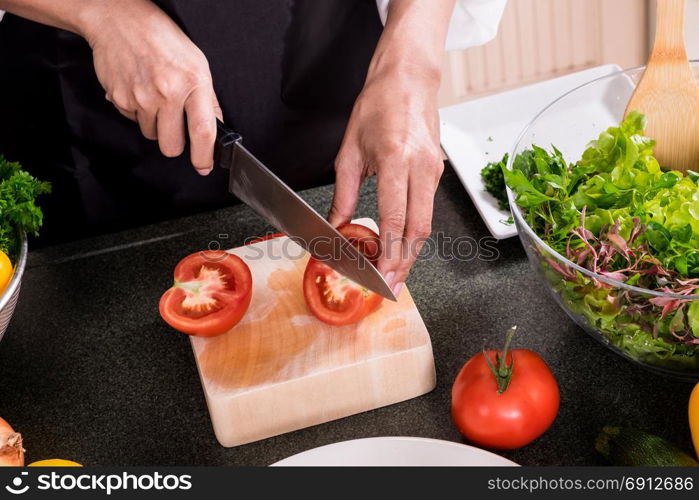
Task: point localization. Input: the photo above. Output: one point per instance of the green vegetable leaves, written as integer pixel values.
(693, 318)
(618, 214)
(527, 194)
(658, 237)
(495, 181)
(617, 180)
(18, 212)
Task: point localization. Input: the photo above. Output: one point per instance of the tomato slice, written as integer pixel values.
(266, 237)
(337, 300)
(211, 293)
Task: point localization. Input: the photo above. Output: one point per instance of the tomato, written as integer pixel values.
(331, 297)
(265, 238)
(506, 405)
(211, 293)
(6, 271)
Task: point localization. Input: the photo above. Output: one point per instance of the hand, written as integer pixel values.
(155, 75)
(393, 132)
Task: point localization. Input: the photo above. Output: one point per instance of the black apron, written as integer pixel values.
(286, 73)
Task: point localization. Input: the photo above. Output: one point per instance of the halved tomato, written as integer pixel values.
(211, 293)
(331, 297)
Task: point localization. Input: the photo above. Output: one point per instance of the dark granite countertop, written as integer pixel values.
(91, 373)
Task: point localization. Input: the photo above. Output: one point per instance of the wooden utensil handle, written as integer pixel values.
(669, 31)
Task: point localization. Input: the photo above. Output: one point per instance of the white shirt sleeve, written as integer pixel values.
(474, 22)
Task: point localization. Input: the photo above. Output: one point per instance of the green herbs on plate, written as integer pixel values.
(18, 211)
(494, 181)
(618, 214)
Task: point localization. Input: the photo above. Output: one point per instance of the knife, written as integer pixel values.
(264, 192)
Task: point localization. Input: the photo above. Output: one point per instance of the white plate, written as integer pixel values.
(480, 131)
(395, 452)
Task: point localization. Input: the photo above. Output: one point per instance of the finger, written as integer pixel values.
(347, 182)
(418, 225)
(201, 126)
(146, 120)
(170, 123)
(131, 115)
(120, 106)
(392, 186)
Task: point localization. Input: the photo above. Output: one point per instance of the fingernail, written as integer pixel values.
(204, 171)
(389, 278)
(397, 289)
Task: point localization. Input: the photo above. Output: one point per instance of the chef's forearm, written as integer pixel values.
(79, 16)
(413, 40)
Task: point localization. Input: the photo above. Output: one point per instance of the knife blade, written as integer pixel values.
(264, 192)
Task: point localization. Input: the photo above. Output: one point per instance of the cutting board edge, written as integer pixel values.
(420, 360)
(260, 388)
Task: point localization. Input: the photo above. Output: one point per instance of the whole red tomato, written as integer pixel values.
(504, 401)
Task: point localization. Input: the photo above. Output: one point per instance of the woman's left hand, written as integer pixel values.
(393, 133)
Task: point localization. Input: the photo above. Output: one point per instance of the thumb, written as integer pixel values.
(347, 182)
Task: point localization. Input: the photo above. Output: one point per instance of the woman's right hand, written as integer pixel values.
(155, 75)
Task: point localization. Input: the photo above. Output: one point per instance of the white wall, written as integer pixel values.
(530, 47)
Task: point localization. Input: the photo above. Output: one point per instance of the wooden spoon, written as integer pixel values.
(668, 93)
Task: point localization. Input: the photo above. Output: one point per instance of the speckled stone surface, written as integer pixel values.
(91, 373)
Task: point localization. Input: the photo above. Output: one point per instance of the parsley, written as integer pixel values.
(18, 212)
(494, 181)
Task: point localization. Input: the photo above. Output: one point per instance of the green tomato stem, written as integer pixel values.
(503, 371)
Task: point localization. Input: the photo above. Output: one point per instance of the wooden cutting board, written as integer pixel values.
(280, 369)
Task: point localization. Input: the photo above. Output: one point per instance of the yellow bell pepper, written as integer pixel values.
(6, 271)
(694, 417)
(55, 462)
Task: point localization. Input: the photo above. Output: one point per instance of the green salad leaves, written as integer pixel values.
(18, 211)
(617, 180)
(618, 214)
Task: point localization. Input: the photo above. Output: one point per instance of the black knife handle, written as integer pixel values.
(225, 140)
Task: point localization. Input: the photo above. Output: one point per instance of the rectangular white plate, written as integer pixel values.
(480, 131)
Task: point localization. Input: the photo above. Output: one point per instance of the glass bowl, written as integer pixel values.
(570, 123)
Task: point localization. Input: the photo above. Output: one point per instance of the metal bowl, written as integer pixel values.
(8, 299)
